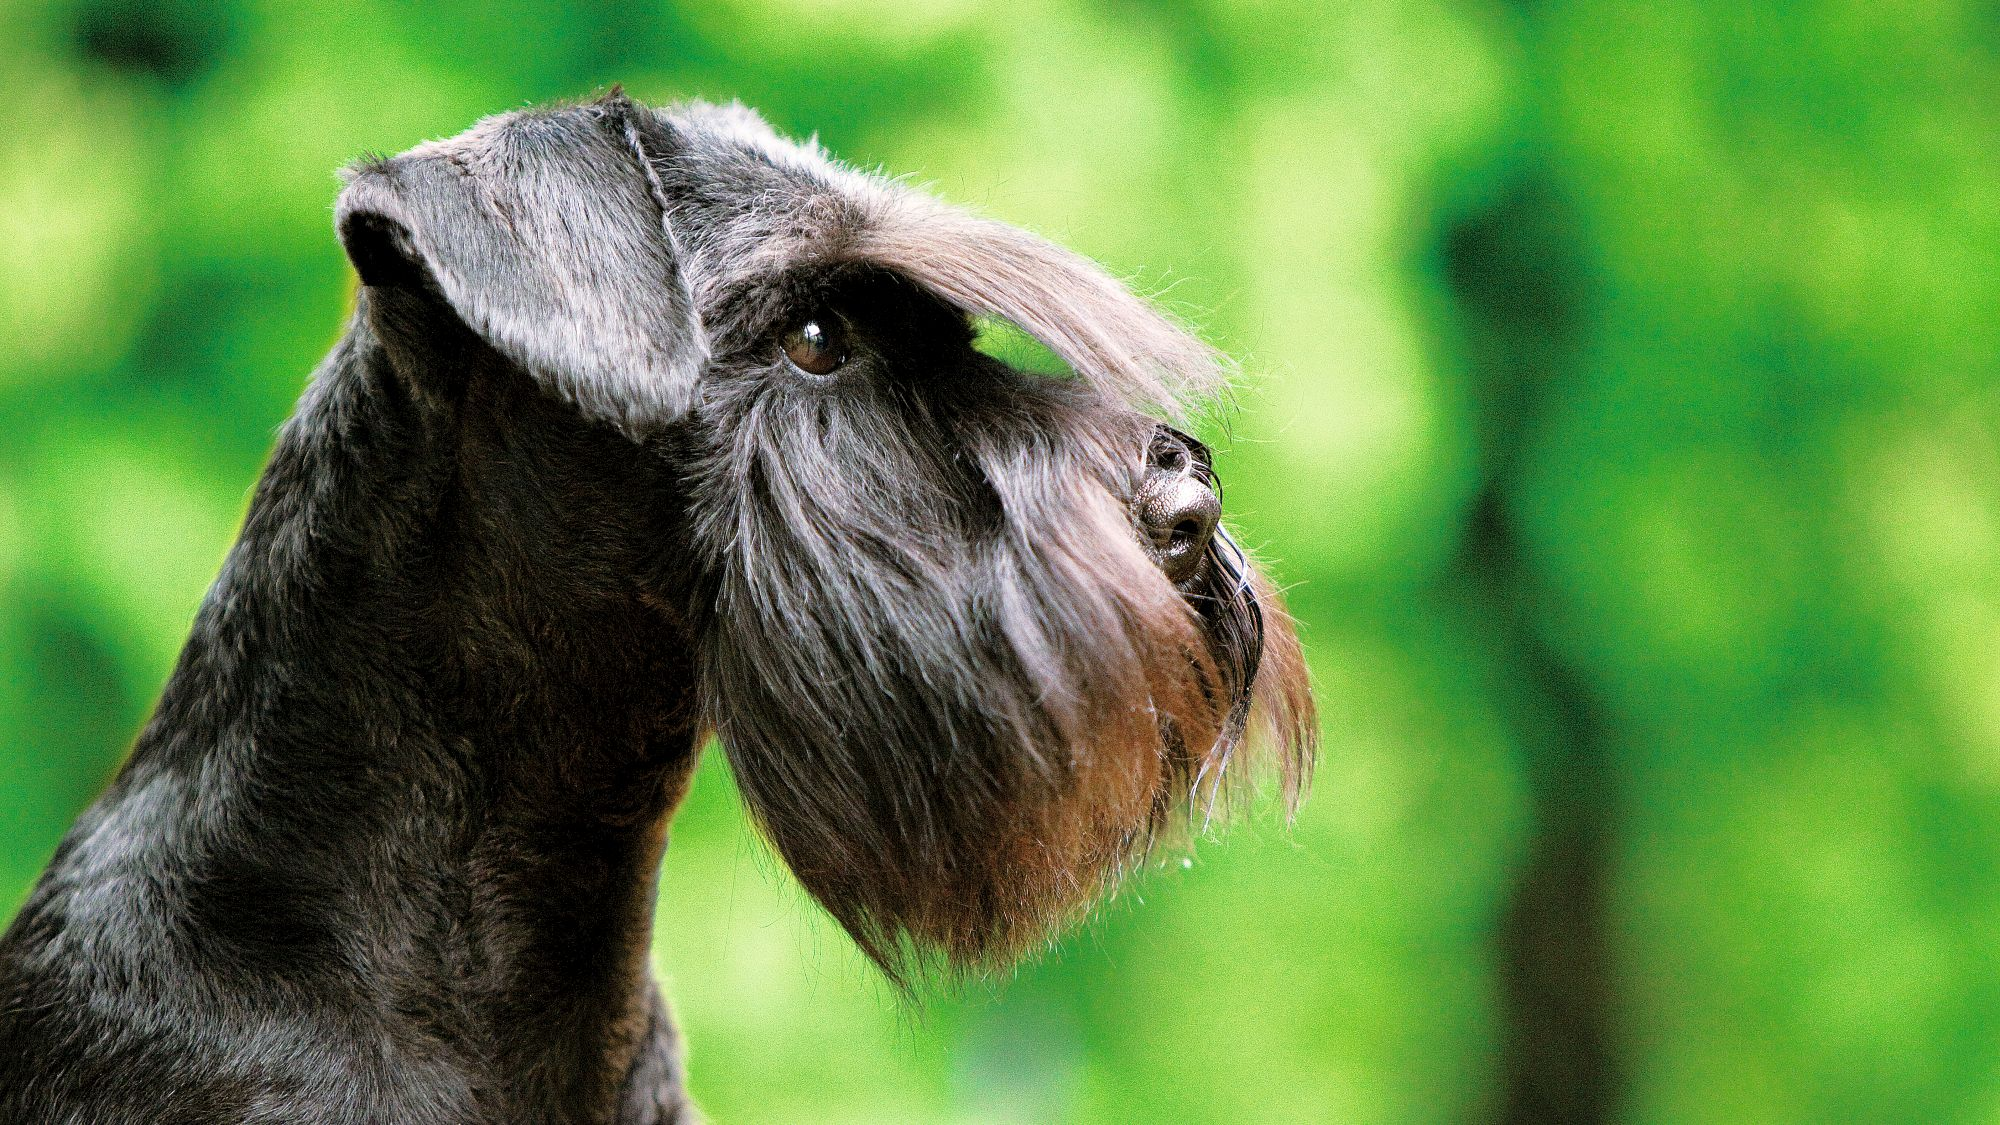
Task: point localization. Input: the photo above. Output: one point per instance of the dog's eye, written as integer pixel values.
(816, 346)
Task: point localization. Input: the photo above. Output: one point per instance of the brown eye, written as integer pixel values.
(817, 346)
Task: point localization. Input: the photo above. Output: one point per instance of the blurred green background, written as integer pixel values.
(1622, 412)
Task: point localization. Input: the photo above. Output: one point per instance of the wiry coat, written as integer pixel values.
(553, 510)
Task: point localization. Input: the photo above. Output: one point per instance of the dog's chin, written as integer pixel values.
(960, 770)
(957, 695)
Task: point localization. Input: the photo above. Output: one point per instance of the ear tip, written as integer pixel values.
(364, 188)
(375, 239)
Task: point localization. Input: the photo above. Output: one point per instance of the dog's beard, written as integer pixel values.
(956, 694)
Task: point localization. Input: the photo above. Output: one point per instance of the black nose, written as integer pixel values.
(1177, 504)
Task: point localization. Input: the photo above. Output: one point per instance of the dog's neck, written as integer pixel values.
(436, 730)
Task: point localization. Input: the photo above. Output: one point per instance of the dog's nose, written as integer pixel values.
(1177, 505)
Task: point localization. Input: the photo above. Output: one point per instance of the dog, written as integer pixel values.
(648, 425)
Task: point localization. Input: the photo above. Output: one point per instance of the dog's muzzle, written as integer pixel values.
(1178, 503)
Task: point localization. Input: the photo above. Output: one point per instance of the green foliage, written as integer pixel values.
(1622, 410)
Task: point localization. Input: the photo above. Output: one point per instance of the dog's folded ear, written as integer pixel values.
(543, 235)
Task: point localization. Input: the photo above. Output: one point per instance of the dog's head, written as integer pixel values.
(970, 634)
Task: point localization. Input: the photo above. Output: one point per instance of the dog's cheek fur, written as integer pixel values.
(955, 692)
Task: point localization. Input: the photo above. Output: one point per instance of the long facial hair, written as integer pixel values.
(957, 695)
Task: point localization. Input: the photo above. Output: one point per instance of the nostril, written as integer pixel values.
(1178, 522)
(1177, 510)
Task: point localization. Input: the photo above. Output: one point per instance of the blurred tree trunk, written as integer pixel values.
(1510, 270)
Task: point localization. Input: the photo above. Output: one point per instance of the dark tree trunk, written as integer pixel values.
(1511, 270)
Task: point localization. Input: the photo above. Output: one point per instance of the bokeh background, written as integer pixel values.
(1622, 412)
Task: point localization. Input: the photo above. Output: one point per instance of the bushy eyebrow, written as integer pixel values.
(812, 210)
(1110, 337)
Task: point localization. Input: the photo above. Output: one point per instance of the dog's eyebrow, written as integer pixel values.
(788, 204)
(1108, 335)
